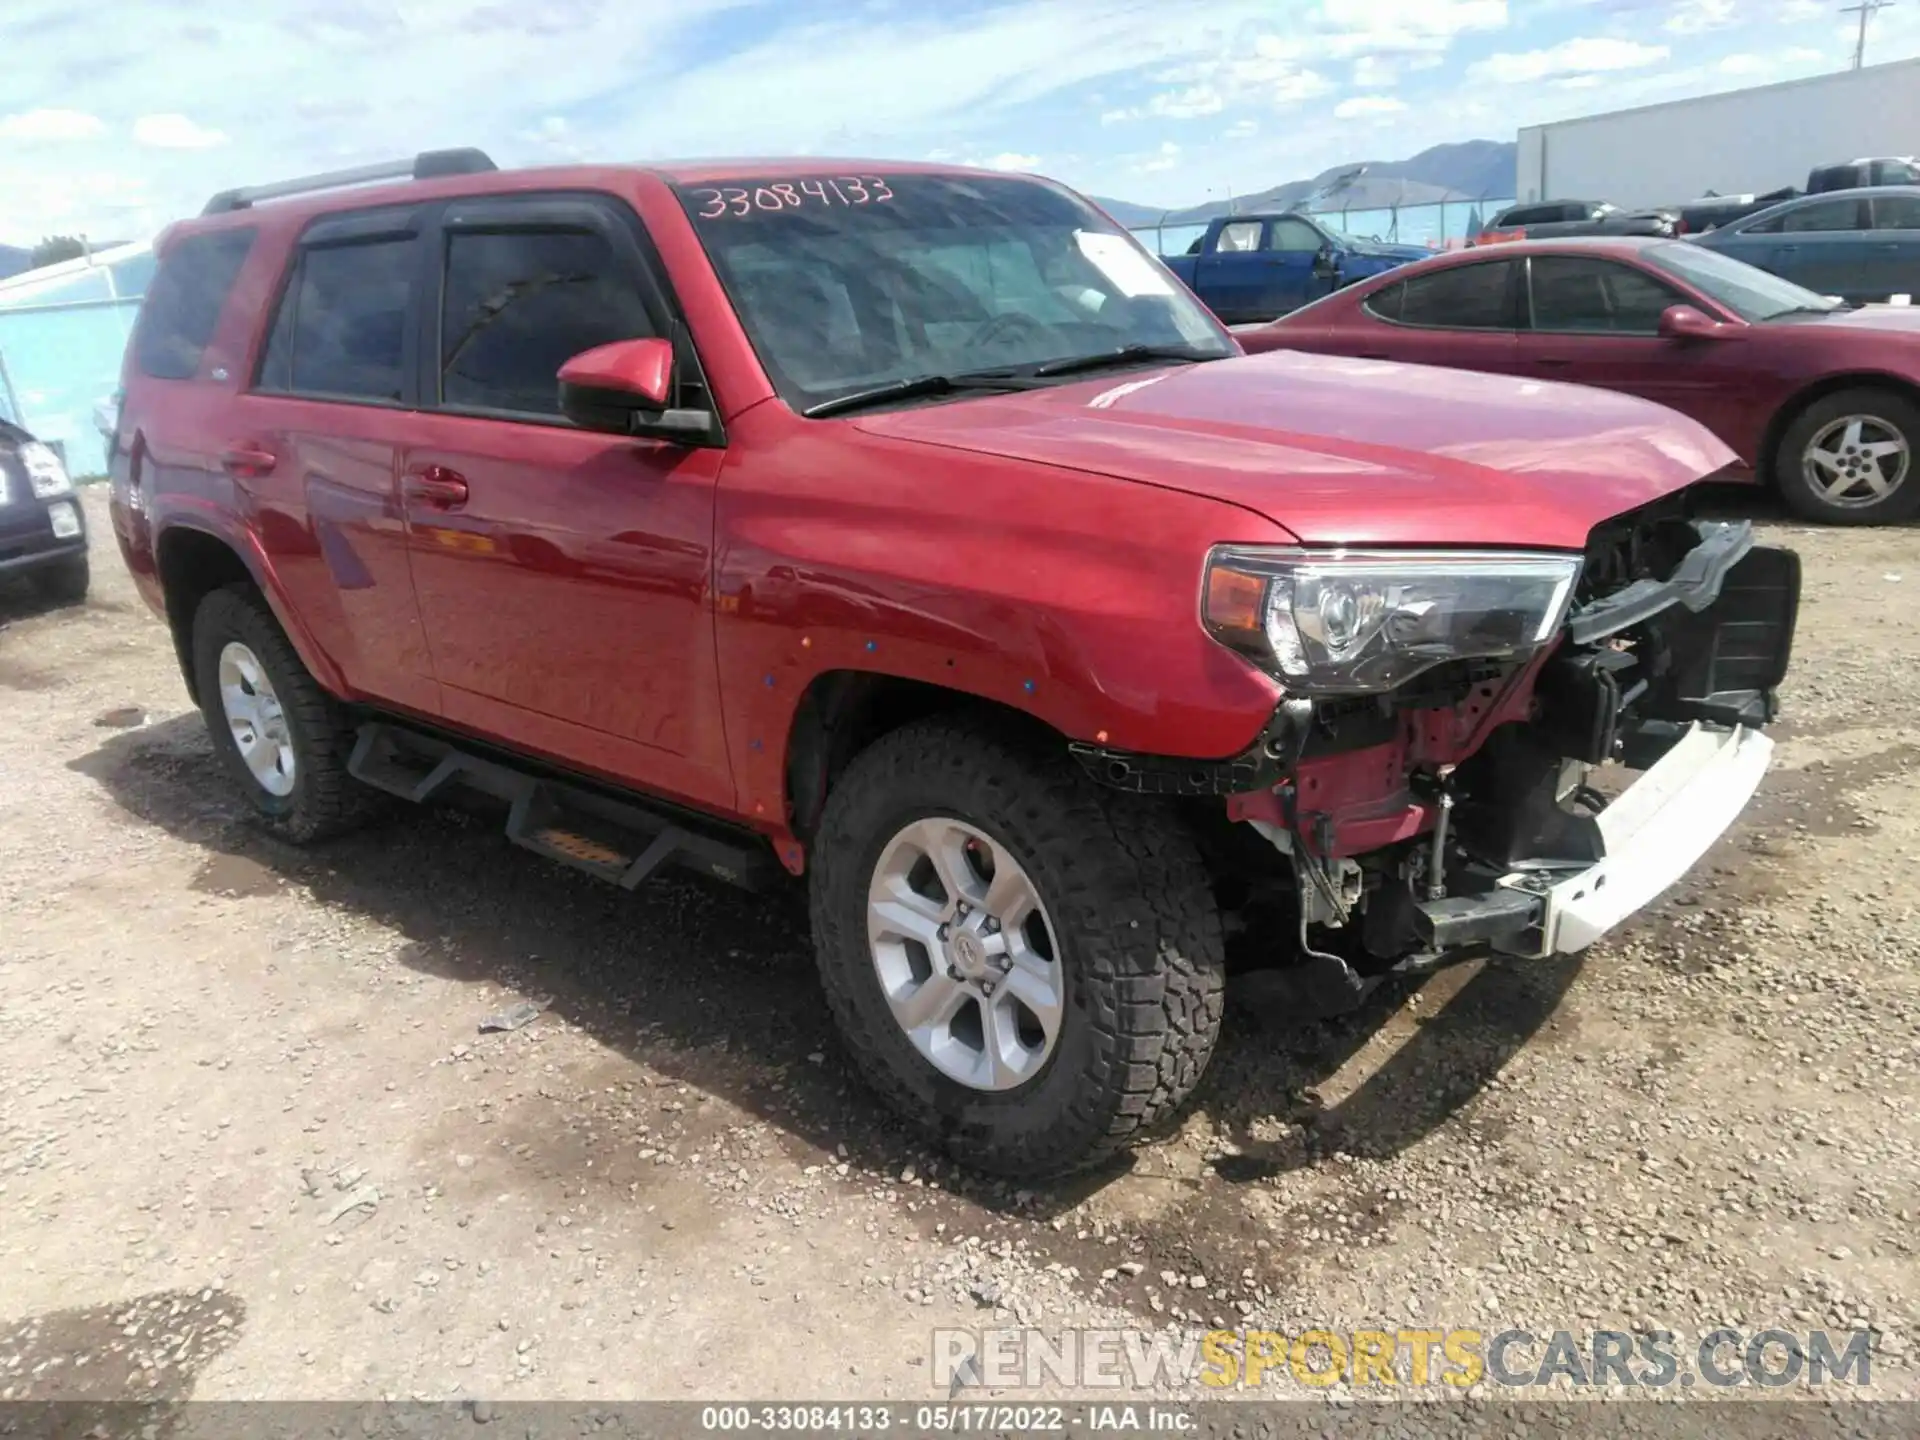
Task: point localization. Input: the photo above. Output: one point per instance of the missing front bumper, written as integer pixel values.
(1653, 833)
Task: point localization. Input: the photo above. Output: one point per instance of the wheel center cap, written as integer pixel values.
(969, 954)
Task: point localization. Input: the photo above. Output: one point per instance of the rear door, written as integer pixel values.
(317, 440)
(1462, 315)
(1596, 322)
(1894, 257)
(564, 575)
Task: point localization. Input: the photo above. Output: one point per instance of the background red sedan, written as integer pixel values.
(1819, 400)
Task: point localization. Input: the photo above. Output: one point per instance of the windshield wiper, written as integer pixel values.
(1125, 355)
(1812, 310)
(915, 386)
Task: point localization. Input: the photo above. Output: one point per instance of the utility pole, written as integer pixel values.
(1866, 10)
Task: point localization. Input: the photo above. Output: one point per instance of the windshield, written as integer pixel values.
(1750, 293)
(849, 283)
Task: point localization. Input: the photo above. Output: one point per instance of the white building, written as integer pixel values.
(1739, 142)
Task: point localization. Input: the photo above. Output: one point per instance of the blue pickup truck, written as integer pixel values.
(1258, 267)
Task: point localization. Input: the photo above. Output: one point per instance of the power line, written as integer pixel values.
(1866, 10)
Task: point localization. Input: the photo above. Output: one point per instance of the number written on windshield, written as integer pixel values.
(740, 201)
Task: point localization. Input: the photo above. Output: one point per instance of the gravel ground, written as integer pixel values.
(253, 1142)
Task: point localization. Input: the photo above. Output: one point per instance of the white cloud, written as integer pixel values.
(174, 131)
(31, 125)
(1360, 107)
(1375, 72)
(1165, 158)
(1694, 16)
(1010, 160)
(1241, 130)
(1771, 63)
(1584, 56)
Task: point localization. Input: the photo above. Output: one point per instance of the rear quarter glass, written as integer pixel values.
(183, 304)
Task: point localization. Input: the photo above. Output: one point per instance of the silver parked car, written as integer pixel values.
(1861, 245)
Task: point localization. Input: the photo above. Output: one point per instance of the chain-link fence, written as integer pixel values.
(1439, 226)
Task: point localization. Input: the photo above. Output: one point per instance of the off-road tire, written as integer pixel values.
(66, 582)
(325, 801)
(1886, 406)
(1138, 935)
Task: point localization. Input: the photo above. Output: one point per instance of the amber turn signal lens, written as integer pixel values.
(1234, 598)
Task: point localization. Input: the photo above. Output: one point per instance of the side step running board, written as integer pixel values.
(624, 841)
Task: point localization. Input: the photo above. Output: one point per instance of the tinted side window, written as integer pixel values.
(183, 304)
(1294, 236)
(1386, 303)
(1596, 295)
(1460, 297)
(342, 324)
(1896, 212)
(1829, 215)
(518, 305)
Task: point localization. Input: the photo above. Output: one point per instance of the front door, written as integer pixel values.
(564, 576)
(1597, 322)
(1232, 278)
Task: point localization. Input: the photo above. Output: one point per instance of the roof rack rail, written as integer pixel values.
(427, 165)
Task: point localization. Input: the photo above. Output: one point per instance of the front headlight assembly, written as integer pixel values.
(1363, 622)
(44, 471)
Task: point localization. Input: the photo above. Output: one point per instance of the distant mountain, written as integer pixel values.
(1471, 170)
(1128, 213)
(13, 260)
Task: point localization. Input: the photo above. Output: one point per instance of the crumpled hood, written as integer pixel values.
(1381, 250)
(1349, 452)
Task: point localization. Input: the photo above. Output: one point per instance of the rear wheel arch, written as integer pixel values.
(192, 564)
(1797, 404)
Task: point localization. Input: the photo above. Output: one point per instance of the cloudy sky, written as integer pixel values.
(117, 115)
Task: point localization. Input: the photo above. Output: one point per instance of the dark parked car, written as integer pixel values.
(1887, 170)
(1818, 399)
(1861, 245)
(1254, 267)
(43, 531)
(1551, 218)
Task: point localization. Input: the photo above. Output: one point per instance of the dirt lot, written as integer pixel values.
(253, 1143)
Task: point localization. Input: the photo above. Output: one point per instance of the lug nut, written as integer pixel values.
(945, 931)
(953, 972)
(992, 926)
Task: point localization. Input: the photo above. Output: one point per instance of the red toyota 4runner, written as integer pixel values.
(909, 529)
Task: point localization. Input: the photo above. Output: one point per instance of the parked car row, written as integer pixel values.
(1815, 397)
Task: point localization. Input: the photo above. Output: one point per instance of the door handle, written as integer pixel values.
(437, 486)
(1556, 361)
(246, 461)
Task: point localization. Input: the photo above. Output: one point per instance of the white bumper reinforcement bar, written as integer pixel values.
(1654, 831)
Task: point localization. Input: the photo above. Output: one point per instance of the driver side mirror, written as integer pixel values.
(1683, 322)
(624, 389)
(1325, 265)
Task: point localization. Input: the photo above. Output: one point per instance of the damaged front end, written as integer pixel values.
(1461, 798)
